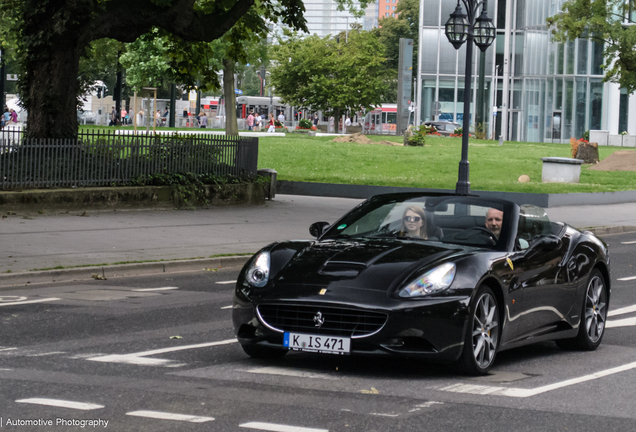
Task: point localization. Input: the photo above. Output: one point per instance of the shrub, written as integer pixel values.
(416, 140)
(305, 124)
(586, 135)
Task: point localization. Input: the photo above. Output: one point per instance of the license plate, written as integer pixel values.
(319, 344)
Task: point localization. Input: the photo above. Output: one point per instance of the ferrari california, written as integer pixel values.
(440, 277)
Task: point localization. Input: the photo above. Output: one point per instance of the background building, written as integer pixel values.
(555, 89)
(324, 18)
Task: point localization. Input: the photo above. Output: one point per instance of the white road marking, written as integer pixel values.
(140, 357)
(621, 311)
(226, 282)
(279, 428)
(156, 289)
(45, 354)
(30, 301)
(7, 349)
(4, 299)
(523, 393)
(288, 372)
(61, 403)
(170, 416)
(629, 242)
(627, 278)
(385, 415)
(227, 307)
(626, 322)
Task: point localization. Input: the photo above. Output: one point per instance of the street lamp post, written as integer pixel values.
(469, 28)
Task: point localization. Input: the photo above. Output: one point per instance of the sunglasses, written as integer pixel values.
(412, 218)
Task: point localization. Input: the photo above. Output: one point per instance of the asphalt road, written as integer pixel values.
(157, 353)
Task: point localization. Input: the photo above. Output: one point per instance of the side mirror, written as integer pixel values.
(548, 243)
(317, 228)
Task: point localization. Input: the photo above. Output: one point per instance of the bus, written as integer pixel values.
(260, 105)
(382, 120)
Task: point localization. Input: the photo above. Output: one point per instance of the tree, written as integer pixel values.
(53, 36)
(602, 21)
(390, 30)
(332, 74)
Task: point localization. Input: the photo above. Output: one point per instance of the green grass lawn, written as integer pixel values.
(493, 167)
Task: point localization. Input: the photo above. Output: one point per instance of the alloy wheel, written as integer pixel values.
(595, 309)
(485, 331)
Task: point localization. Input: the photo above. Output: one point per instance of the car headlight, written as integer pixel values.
(431, 282)
(258, 273)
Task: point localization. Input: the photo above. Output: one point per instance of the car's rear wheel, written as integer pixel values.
(261, 352)
(593, 316)
(482, 336)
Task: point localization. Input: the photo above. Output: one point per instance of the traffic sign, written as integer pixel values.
(12, 77)
(238, 91)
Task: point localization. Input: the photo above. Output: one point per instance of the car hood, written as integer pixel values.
(372, 265)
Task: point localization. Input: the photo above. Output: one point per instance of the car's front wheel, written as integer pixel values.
(593, 316)
(261, 352)
(482, 338)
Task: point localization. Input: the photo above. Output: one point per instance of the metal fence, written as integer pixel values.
(105, 159)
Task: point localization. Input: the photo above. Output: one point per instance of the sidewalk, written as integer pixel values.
(44, 241)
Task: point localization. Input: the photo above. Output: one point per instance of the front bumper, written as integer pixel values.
(432, 329)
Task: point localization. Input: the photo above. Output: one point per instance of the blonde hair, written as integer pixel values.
(420, 212)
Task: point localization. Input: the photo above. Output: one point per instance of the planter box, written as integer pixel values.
(629, 141)
(561, 170)
(599, 136)
(615, 140)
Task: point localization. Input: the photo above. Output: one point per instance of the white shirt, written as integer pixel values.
(281, 118)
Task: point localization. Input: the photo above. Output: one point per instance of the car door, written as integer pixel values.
(546, 293)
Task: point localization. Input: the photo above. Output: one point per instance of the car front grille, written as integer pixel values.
(336, 321)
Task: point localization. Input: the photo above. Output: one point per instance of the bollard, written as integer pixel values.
(271, 188)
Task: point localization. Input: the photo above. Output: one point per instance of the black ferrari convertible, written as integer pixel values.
(438, 276)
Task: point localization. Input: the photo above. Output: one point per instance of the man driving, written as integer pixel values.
(494, 219)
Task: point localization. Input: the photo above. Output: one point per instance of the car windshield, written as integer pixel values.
(447, 219)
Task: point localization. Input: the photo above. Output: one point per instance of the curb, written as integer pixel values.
(10, 280)
(336, 190)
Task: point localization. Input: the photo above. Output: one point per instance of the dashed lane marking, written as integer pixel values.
(61, 403)
(170, 416)
(225, 282)
(627, 278)
(288, 372)
(629, 242)
(140, 357)
(626, 322)
(156, 289)
(227, 307)
(7, 349)
(621, 311)
(279, 428)
(523, 393)
(13, 303)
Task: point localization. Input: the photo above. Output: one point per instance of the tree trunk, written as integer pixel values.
(336, 112)
(231, 124)
(51, 87)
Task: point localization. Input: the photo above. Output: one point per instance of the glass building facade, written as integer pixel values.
(324, 18)
(555, 89)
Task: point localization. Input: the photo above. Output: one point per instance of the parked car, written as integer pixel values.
(478, 276)
(443, 127)
(86, 117)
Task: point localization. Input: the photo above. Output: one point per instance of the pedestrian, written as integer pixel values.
(331, 124)
(316, 120)
(258, 122)
(124, 115)
(140, 117)
(158, 118)
(272, 123)
(203, 120)
(113, 117)
(348, 121)
(281, 118)
(250, 121)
